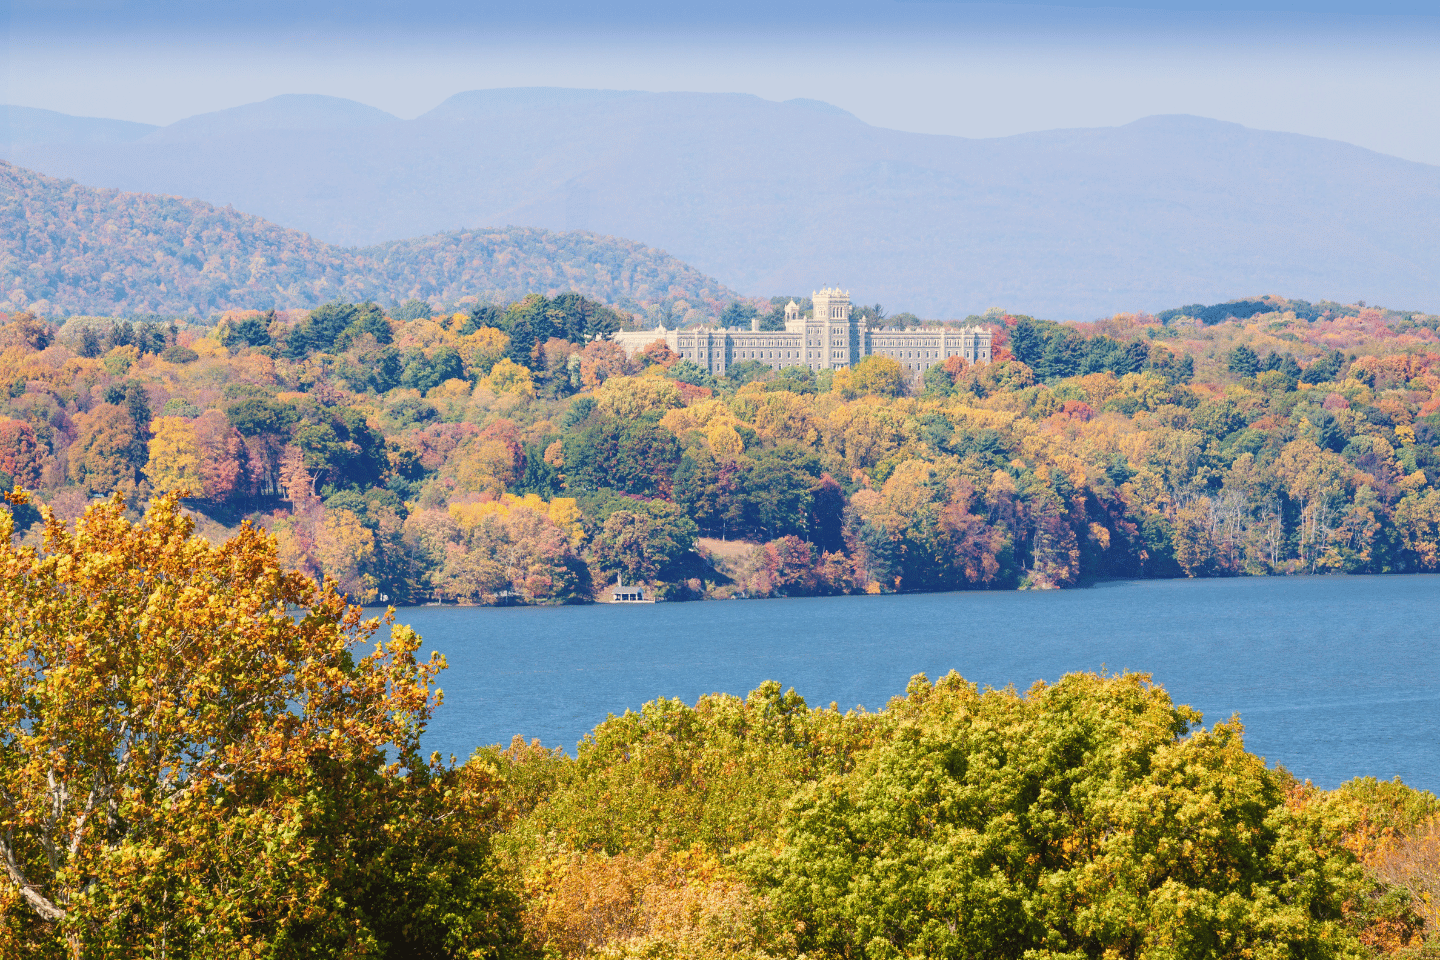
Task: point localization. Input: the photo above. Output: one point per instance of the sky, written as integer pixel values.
(1365, 73)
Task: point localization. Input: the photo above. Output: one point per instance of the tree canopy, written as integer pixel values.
(1076, 820)
(1122, 448)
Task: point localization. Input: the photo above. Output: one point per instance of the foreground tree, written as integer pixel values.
(1084, 819)
(188, 768)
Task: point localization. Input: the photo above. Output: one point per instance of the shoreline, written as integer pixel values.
(988, 591)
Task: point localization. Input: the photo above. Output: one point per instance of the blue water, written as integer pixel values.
(1334, 677)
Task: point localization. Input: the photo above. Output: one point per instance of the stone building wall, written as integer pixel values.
(831, 339)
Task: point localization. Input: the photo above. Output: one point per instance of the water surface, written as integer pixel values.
(1334, 677)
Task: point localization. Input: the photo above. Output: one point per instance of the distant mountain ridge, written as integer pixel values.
(73, 249)
(28, 126)
(773, 197)
(297, 112)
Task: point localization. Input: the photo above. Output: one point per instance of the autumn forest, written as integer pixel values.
(719, 481)
(513, 454)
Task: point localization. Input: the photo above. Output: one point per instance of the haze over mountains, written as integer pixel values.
(777, 197)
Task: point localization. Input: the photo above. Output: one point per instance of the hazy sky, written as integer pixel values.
(1366, 73)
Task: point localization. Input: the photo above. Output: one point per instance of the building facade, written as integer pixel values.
(831, 339)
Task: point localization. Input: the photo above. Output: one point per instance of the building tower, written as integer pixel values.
(833, 326)
(832, 306)
(794, 321)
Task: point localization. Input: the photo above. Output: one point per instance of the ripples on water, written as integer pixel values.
(1334, 677)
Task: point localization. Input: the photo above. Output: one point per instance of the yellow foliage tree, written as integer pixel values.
(629, 398)
(481, 350)
(99, 458)
(486, 466)
(191, 769)
(1417, 517)
(879, 375)
(346, 550)
(520, 548)
(908, 489)
(510, 377)
(564, 512)
(724, 439)
(633, 905)
(174, 462)
(119, 360)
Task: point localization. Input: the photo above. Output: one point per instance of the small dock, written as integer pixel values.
(631, 594)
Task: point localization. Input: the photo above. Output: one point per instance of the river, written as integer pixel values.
(1334, 677)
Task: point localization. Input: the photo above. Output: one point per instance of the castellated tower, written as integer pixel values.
(832, 306)
(834, 333)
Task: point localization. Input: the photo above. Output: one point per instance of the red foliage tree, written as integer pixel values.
(20, 453)
(224, 458)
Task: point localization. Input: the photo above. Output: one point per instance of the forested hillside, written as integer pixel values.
(65, 248)
(505, 454)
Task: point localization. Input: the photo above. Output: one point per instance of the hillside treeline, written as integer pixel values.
(66, 248)
(243, 778)
(513, 454)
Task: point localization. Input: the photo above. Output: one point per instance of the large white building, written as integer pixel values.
(831, 339)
